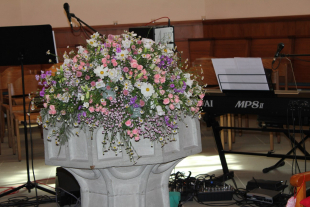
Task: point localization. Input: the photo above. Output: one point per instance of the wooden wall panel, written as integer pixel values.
(182, 46)
(230, 48)
(268, 47)
(302, 63)
(259, 37)
(200, 49)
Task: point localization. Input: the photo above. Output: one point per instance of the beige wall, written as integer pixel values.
(226, 9)
(105, 12)
(97, 12)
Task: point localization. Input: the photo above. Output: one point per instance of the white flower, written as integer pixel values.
(101, 72)
(138, 84)
(187, 94)
(86, 104)
(113, 74)
(147, 43)
(95, 35)
(147, 89)
(92, 42)
(126, 43)
(100, 84)
(189, 82)
(122, 55)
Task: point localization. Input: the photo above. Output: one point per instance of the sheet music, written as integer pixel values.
(240, 73)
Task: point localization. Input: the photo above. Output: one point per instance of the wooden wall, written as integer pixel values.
(248, 37)
(183, 30)
(256, 37)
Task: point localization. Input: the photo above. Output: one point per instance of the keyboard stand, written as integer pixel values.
(211, 122)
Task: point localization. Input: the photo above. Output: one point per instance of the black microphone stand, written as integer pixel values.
(80, 21)
(28, 185)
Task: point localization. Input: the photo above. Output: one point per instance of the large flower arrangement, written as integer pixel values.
(129, 87)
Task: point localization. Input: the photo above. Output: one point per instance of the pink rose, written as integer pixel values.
(93, 83)
(125, 92)
(45, 105)
(91, 109)
(156, 80)
(87, 77)
(128, 122)
(166, 101)
(171, 106)
(114, 64)
(78, 74)
(201, 96)
(135, 131)
(170, 95)
(52, 107)
(104, 60)
(137, 138)
(125, 69)
(163, 80)
(140, 67)
(156, 76)
(142, 103)
(144, 72)
(134, 65)
(199, 103)
(52, 111)
(162, 92)
(193, 109)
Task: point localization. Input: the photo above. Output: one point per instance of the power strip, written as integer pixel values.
(215, 196)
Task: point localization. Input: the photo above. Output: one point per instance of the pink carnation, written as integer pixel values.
(166, 101)
(142, 103)
(91, 109)
(128, 122)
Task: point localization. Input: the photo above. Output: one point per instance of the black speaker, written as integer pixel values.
(67, 188)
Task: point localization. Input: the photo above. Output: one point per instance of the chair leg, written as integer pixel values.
(229, 131)
(233, 125)
(271, 141)
(222, 131)
(240, 124)
(10, 136)
(19, 153)
(2, 122)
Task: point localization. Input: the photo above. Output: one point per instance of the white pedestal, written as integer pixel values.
(112, 181)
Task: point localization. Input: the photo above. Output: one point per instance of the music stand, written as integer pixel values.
(25, 45)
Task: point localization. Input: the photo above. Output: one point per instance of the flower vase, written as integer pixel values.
(113, 180)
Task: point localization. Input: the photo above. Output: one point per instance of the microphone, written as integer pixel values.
(66, 7)
(280, 47)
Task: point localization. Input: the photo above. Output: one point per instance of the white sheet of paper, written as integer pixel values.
(240, 73)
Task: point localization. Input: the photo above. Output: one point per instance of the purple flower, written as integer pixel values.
(42, 92)
(49, 73)
(37, 77)
(43, 76)
(118, 50)
(171, 85)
